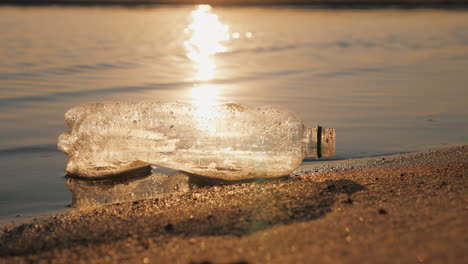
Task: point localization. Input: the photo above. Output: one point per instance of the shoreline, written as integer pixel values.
(406, 207)
(15, 219)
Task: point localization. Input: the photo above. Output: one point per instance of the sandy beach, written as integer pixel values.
(406, 208)
(388, 76)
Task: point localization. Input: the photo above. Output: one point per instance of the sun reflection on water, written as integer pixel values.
(206, 36)
(205, 94)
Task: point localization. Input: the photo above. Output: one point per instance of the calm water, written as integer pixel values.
(388, 80)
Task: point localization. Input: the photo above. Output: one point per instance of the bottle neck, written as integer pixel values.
(319, 142)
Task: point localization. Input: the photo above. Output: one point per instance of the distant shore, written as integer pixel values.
(321, 3)
(408, 208)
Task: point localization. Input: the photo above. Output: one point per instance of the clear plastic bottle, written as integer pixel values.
(228, 141)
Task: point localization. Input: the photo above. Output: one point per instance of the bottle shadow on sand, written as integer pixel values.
(229, 208)
(264, 209)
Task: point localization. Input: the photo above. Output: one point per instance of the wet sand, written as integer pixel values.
(406, 208)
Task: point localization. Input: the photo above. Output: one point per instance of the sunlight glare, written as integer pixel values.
(205, 98)
(204, 94)
(206, 35)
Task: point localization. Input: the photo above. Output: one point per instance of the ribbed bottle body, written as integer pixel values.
(228, 141)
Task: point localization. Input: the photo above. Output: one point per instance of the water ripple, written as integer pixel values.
(43, 148)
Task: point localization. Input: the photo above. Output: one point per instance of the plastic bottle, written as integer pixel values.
(228, 141)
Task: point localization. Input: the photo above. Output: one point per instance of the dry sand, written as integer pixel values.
(407, 208)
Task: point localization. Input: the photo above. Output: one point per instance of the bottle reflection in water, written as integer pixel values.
(92, 193)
